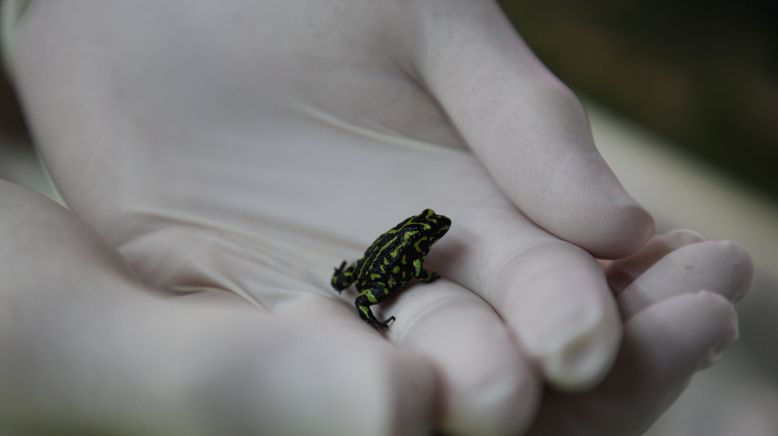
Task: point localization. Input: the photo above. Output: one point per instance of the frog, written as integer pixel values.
(393, 260)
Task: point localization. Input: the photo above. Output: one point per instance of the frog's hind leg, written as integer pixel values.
(363, 302)
(343, 277)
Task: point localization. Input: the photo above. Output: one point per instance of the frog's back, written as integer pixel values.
(382, 255)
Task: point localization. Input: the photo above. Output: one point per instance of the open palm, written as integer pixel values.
(243, 149)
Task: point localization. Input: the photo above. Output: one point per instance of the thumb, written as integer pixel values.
(527, 128)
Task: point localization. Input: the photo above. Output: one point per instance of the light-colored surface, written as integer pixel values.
(740, 394)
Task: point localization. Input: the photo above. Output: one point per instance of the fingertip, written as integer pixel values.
(684, 333)
(555, 298)
(622, 272)
(584, 203)
(581, 360)
(729, 328)
(742, 267)
(619, 232)
(721, 267)
(638, 227)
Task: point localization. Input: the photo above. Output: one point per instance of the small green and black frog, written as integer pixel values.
(391, 262)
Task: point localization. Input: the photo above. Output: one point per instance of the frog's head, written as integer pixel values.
(433, 226)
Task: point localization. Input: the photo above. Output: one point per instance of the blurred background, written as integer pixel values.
(683, 101)
(703, 76)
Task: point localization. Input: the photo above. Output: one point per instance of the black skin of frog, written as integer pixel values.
(389, 263)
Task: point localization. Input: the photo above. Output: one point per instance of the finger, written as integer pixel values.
(527, 128)
(45, 244)
(66, 310)
(338, 381)
(488, 385)
(555, 298)
(722, 267)
(663, 346)
(79, 333)
(622, 272)
(552, 295)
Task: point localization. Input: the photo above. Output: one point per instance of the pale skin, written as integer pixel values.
(218, 158)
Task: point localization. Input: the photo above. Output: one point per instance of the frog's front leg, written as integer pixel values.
(343, 277)
(422, 274)
(367, 298)
(428, 276)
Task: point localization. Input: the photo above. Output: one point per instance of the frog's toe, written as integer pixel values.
(383, 325)
(341, 278)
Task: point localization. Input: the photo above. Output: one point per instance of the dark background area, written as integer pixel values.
(11, 122)
(702, 74)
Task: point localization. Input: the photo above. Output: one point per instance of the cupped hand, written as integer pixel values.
(232, 153)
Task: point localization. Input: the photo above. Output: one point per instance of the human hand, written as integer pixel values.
(251, 147)
(85, 347)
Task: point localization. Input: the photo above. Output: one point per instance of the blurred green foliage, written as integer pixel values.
(703, 74)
